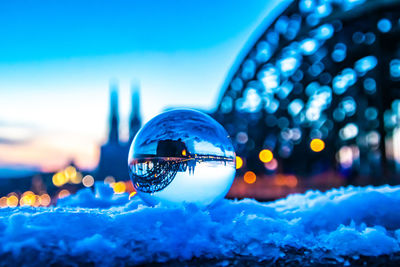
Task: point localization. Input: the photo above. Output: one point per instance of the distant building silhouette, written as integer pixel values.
(135, 119)
(114, 153)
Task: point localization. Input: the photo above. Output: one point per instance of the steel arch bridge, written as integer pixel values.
(154, 175)
(328, 70)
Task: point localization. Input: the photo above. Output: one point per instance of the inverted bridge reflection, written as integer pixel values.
(152, 174)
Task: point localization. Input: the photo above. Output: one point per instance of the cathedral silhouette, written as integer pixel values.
(114, 153)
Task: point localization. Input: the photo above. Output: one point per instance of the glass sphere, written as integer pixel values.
(182, 156)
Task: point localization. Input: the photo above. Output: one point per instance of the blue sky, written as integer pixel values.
(58, 57)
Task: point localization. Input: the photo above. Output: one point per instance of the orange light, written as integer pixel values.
(12, 201)
(184, 152)
(317, 145)
(129, 186)
(291, 181)
(37, 202)
(131, 195)
(119, 187)
(250, 177)
(266, 155)
(63, 193)
(286, 180)
(3, 202)
(44, 200)
(280, 180)
(239, 162)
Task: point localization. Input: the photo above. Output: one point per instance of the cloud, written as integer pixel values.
(14, 134)
(6, 141)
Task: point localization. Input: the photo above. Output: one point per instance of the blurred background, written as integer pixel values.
(308, 90)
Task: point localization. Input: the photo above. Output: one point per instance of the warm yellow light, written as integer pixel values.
(119, 188)
(44, 200)
(317, 145)
(3, 202)
(70, 172)
(27, 193)
(12, 194)
(27, 199)
(76, 179)
(266, 155)
(12, 201)
(63, 193)
(239, 162)
(250, 177)
(88, 181)
(59, 179)
(184, 152)
(131, 195)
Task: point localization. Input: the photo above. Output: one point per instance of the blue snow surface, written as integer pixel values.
(103, 228)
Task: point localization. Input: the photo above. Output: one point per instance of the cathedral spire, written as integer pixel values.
(113, 136)
(135, 120)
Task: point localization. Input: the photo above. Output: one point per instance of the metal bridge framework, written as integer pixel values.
(325, 57)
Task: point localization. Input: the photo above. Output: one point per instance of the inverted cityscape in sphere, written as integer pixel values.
(182, 156)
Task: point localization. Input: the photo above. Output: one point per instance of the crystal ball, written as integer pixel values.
(182, 156)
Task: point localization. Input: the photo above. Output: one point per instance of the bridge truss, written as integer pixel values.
(326, 70)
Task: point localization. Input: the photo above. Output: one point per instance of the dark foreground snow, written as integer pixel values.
(341, 225)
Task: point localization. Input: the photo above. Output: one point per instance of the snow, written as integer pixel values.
(102, 228)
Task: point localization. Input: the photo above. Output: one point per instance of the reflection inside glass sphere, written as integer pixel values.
(182, 156)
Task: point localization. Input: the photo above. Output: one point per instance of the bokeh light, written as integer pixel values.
(28, 199)
(266, 155)
(70, 172)
(250, 177)
(317, 145)
(77, 178)
(88, 181)
(59, 179)
(3, 202)
(119, 187)
(63, 193)
(272, 165)
(44, 200)
(12, 201)
(239, 162)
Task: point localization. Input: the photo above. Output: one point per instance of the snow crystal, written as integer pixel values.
(102, 228)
